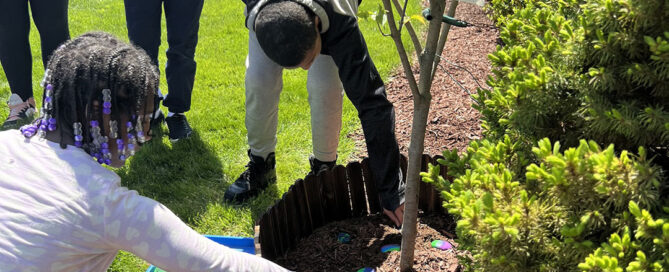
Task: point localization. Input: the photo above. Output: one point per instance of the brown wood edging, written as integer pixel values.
(340, 193)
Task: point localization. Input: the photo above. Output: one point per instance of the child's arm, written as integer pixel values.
(364, 87)
(152, 232)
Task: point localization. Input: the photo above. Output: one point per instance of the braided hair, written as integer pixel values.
(92, 76)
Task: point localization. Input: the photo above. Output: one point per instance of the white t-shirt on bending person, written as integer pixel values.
(61, 211)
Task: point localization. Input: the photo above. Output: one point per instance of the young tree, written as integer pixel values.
(437, 34)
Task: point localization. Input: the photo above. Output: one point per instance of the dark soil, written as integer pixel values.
(323, 252)
(452, 124)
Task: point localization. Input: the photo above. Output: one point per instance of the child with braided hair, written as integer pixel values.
(60, 209)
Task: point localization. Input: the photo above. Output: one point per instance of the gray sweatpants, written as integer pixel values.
(263, 87)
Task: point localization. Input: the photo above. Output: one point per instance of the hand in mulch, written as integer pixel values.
(397, 216)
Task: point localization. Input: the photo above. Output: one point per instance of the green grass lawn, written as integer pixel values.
(190, 177)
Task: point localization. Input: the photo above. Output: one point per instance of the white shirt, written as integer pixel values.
(62, 211)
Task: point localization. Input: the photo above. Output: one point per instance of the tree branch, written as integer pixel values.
(406, 64)
(444, 36)
(410, 30)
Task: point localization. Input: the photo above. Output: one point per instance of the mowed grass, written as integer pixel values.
(190, 177)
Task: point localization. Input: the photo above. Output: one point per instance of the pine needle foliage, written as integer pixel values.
(536, 81)
(627, 57)
(568, 70)
(555, 213)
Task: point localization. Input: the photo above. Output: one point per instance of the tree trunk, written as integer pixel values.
(419, 124)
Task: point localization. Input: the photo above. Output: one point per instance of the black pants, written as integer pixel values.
(50, 17)
(183, 21)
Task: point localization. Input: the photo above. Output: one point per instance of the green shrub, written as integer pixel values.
(553, 214)
(536, 81)
(627, 59)
(596, 69)
(569, 70)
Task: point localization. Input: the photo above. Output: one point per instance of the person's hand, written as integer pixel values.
(396, 215)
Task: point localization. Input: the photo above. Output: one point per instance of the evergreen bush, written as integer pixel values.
(553, 215)
(569, 70)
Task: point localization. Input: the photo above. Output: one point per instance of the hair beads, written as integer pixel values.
(77, 112)
(77, 134)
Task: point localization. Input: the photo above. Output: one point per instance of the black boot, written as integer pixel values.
(318, 166)
(258, 175)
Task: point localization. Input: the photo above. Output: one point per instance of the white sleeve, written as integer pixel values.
(152, 232)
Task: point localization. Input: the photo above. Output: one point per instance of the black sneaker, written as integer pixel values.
(20, 112)
(178, 127)
(258, 175)
(319, 166)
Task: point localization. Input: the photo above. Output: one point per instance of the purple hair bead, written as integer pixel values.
(78, 138)
(106, 111)
(106, 105)
(121, 157)
(43, 127)
(28, 133)
(128, 124)
(52, 120)
(49, 87)
(104, 146)
(52, 127)
(78, 144)
(48, 99)
(94, 123)
(131, 146)
(107, 161)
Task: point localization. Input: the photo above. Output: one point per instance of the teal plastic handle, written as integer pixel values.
(446, 19)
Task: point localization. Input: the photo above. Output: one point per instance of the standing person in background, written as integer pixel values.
(50, 17)
(183, 22)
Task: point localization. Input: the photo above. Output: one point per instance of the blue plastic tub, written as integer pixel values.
(243, 244)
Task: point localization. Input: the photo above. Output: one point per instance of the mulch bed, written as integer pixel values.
(321, 251)
(452, 124)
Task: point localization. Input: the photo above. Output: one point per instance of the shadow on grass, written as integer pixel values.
(185, 176)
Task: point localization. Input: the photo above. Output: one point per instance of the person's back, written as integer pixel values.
(53, 206)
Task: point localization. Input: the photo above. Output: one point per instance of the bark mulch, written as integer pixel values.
(452, 124)
(321, 251)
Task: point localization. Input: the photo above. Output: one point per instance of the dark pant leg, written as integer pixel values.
(183, 23)
(143, 21)
(15, 46)
(50, 17)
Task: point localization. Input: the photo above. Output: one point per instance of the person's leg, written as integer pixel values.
(325, 100)
(15, 53)
(263, 84)
(50, 17)
(143, 22)
(16, 61)
(144, 30)
(183, 23)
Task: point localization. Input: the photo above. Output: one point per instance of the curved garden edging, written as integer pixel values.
(337, 194)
